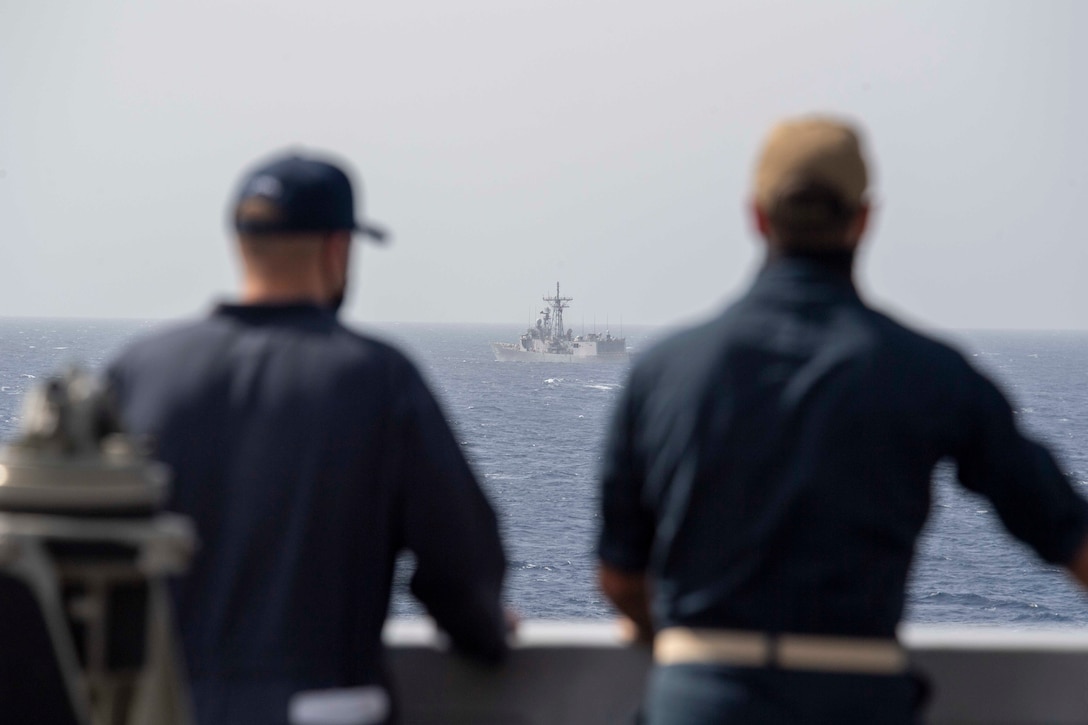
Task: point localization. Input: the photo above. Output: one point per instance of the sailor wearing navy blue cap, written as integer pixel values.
(309, 456)
(293, 198)
(768, 472)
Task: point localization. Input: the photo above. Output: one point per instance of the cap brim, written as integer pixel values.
(379, 234)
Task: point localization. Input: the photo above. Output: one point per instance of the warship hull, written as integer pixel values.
(511, 352)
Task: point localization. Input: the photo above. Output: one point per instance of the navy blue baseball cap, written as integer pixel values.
(295, 193)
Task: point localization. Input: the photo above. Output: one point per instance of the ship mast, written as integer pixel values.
(558, 304)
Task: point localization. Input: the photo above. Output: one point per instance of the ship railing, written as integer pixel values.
(582, 673)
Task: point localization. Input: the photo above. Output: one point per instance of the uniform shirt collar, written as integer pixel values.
(264, 313)
(816, 276)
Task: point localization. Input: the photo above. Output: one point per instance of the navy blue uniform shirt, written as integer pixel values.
(308, 456)
(770, 469)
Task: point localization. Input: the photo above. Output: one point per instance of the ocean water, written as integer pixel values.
(533, 432)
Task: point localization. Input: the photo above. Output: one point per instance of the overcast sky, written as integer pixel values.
(509, 145)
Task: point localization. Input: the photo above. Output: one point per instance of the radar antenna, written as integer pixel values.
(558, 304)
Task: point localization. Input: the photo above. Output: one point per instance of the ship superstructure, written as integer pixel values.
(548, 340)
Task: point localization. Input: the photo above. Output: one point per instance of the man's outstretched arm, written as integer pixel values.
(451, 528)
(627, 526)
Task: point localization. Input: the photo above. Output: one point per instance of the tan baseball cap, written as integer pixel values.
(807, 150)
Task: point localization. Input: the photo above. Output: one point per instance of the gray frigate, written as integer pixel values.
(549, 341)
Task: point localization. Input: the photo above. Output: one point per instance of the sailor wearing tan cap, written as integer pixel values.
(768, 472)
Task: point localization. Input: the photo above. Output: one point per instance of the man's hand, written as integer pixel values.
(630, 593)
(631, 633)
(512, 620)
(1079, 565)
